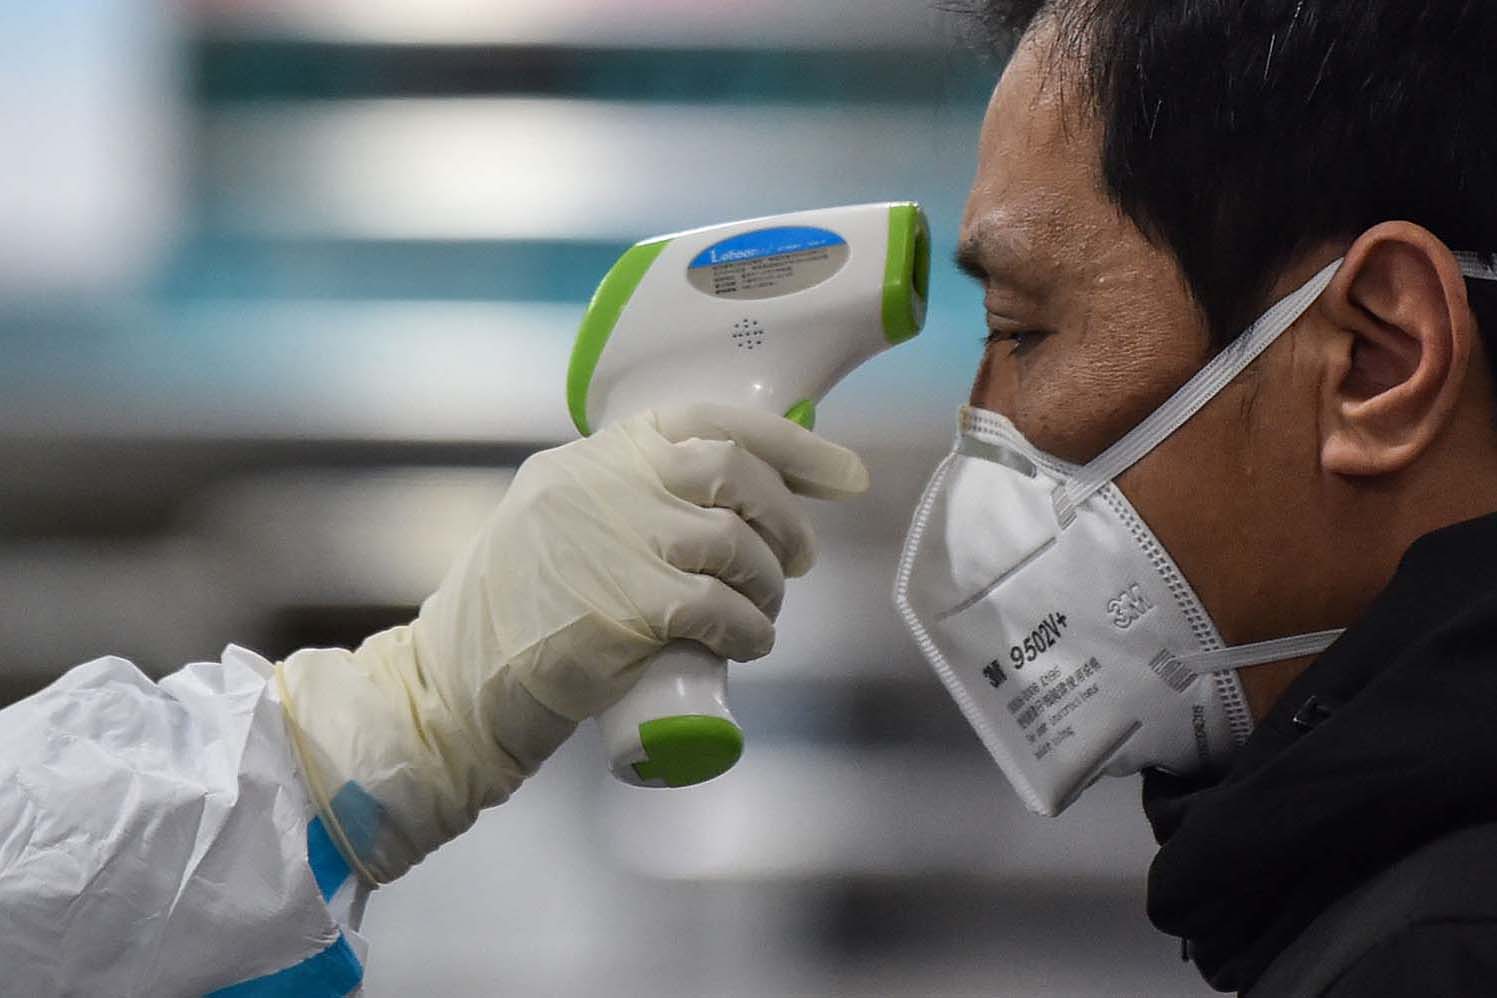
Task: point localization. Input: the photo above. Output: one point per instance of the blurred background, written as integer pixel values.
(287, 291)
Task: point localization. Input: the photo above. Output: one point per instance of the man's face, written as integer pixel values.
(1096, 328)
(1105, 327)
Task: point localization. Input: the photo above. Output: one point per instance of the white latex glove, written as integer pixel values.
(677, 524)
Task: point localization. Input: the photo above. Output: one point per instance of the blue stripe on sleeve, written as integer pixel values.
(333, 973)
(329, 868)
(360, 815)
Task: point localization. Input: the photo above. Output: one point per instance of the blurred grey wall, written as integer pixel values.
(287, 291)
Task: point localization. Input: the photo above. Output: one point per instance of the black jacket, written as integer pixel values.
(1351, 851)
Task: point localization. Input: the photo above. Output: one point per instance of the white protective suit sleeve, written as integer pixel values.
(156, 840)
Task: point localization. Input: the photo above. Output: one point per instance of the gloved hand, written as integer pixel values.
(677, 524)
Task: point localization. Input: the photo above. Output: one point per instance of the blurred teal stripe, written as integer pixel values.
(225, 71)
(227, 268)
(213, 268)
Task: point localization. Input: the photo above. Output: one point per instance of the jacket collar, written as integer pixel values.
(1385, 743)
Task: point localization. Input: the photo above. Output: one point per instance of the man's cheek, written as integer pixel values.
(1069, 412)
(982, 385)
(996, 388)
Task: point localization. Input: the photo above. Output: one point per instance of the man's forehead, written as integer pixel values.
(1036, 160)
(1036, 203)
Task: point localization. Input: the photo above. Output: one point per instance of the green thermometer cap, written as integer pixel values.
(906, 273)
(686, 750)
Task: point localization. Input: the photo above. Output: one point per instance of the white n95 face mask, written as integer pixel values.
(1061, 626)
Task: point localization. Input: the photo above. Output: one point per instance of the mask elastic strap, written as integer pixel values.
(1190, 399)
(1208, 382)
(1261, 653)
(1475, 266)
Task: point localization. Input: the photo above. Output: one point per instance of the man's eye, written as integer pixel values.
(1022, 339)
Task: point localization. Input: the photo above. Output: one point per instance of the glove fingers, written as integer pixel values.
(719, 543)
(810, 465)
(720, 473)
(710, 612)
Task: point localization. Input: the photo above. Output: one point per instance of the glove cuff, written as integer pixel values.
(315, 778)
(395, 772)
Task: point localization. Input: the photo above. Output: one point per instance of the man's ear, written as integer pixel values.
(1398, 362)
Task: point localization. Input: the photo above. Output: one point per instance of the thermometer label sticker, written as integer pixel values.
(768, 263)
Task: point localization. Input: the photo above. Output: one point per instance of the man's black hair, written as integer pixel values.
(1240, 133)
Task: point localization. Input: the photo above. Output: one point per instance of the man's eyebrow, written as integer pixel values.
(968, 259)
(1002, 260)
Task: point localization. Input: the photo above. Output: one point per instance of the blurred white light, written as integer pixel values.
(90, 124)
(526, 168)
